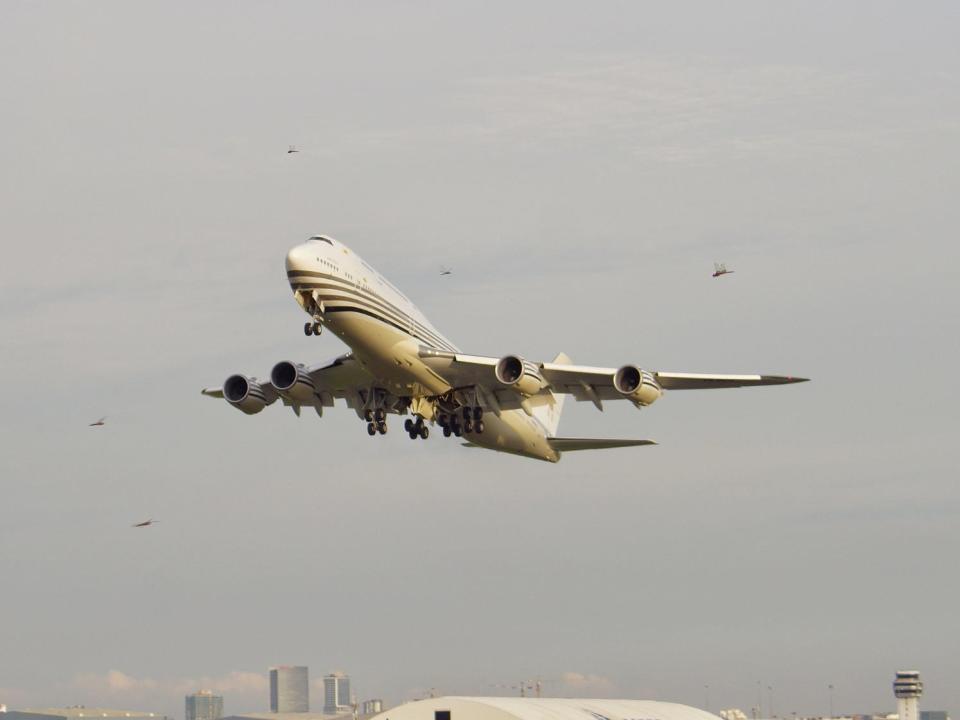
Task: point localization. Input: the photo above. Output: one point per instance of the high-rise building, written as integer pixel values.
(204, 705)
(908, 689)
(336, 693)
(372, 707)
(289, 689)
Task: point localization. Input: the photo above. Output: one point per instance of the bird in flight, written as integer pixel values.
(292, 149)
(99, 423)
(145, 523)
(444, 270)
(720, 269)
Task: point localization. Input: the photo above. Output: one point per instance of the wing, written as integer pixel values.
(316, 386)
(698, 381)
(595, 384)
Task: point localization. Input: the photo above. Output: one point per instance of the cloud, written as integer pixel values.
(586, 684)
(113, 682)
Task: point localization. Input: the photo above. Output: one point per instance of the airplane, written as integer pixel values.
(721, 269)
(145, 523)
(99, 423)
(292, 149)
(400, 364)
(444, 270)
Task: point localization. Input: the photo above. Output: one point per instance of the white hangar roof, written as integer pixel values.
(514, 708)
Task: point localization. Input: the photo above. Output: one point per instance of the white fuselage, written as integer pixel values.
(387, 333)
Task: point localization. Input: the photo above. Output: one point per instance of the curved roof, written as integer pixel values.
(514, 708)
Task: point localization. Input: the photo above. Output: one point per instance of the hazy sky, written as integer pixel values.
(580, 167)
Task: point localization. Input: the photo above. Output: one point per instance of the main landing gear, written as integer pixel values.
(376, 421)
(416, 429)
(312, 328)
(468, 420)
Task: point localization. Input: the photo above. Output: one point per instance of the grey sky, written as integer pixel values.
(580, 167)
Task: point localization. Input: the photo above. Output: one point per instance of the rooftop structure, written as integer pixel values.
(514, 708)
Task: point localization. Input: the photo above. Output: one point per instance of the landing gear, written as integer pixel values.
(313, 328)
(416, 429)
(371, 429)
(382, 427)
(368, 415)
(478, 427)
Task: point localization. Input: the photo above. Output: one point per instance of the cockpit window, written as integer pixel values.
(321, 238)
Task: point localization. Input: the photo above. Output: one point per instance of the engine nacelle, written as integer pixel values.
(521, 375)
(293, 382)
(244, 394)
(639, 386)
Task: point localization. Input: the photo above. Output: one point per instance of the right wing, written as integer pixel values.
(314, 386)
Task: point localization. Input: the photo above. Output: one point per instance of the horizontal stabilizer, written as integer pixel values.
(570, 444)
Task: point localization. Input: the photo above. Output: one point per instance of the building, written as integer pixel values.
(374, 706)
(515, 708)
(907, 688)
(290, 689)
(336, 694)
(204, 705)
(78, 712)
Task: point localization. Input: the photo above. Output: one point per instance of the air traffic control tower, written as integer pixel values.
(908, 688)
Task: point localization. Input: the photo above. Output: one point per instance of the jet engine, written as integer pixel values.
(244, 393)
(293, 382)
(637, 385)
(520, 374)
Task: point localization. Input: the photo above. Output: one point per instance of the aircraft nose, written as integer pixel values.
(298, 258)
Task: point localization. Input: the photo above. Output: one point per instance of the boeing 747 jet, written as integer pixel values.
(400, 364)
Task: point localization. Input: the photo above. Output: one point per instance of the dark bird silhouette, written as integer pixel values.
(99, 423)
(145, 523)
(444, 270)
(292, 149)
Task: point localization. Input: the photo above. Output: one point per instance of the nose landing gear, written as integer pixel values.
(312, 328)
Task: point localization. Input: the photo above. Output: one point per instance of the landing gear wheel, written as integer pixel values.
(316, 328)
(478, 426)
(308, 329)
(379, 415)
(477, 414)
(447, 432)
(466, 414)
(424, 432)
(457, 430)
(371, 429)
(468, 425)
(413, 434)
(443, 420)
(382, 427)
(408, 425)
(368, 415)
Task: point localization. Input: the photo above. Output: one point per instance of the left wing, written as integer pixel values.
(586, 383)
